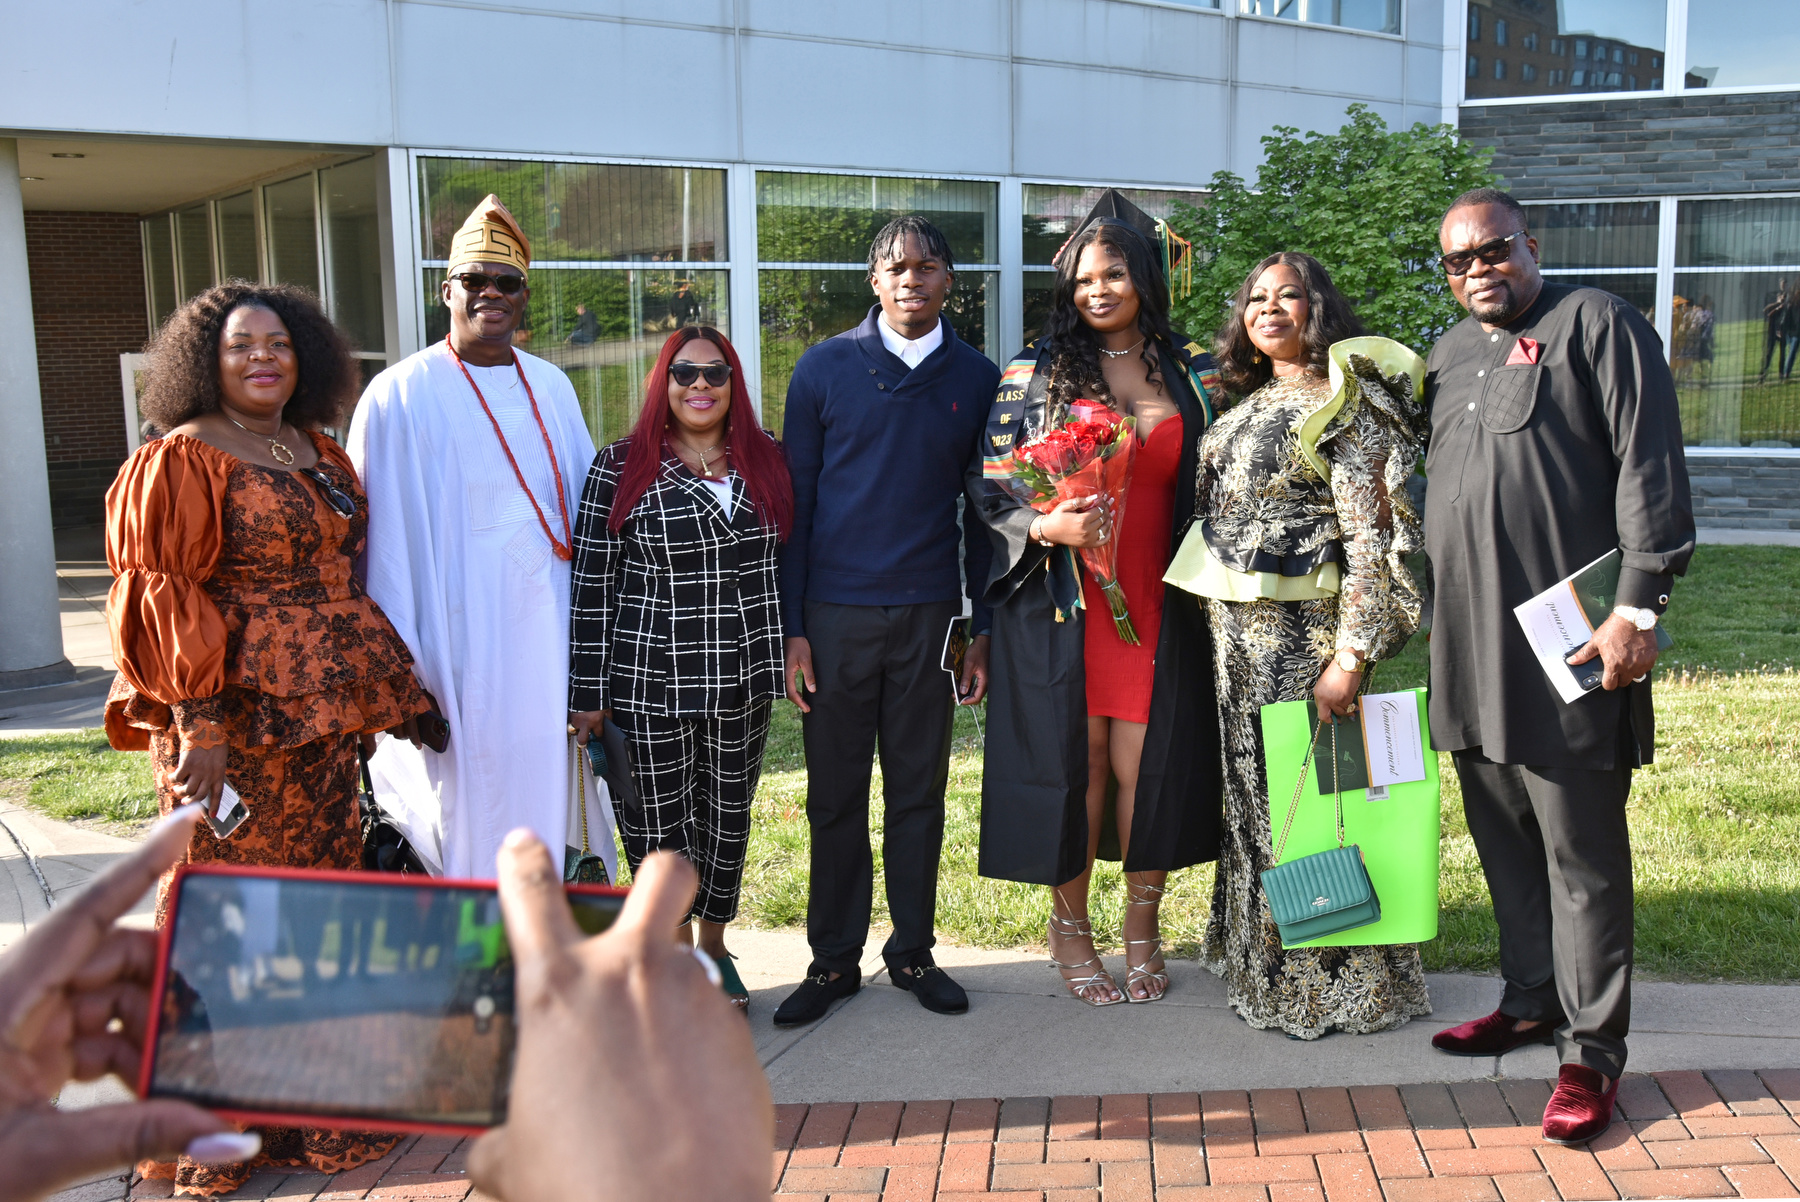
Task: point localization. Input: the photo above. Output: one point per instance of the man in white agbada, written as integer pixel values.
(473, 455)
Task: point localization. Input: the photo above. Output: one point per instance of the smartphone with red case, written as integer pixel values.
(353, 1000)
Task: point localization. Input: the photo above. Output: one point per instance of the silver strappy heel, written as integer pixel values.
(1135, 973)
(1069, 928)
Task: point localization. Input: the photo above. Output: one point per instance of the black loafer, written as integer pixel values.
(931, 985)
(809, 1003)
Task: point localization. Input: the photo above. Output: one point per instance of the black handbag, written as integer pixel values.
(582, 865)
(384, 845)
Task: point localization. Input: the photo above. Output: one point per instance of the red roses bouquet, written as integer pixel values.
(1088, 456)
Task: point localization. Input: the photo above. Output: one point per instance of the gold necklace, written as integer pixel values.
(278, 451)
(703, 468)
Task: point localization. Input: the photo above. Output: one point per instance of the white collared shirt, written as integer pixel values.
(913, 352)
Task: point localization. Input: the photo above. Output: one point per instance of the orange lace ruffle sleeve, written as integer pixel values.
(163, 540)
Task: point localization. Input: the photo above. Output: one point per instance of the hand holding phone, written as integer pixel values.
(632, 1069)
(60, 989)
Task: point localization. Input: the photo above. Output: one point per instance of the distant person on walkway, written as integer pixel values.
(1077, 715)
(473, 453)
(676, 618)
(1555, 440)
(249, 655)
(1304, 525)
(881, 422)
(587, 327)
(1781, 331)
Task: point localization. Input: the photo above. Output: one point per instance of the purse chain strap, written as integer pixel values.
(1336, 777)
(581, 790)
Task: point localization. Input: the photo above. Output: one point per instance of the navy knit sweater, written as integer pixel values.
(878, 453)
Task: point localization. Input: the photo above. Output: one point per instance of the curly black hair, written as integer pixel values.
(1329, 318)
(1073, 346)
(181, 376)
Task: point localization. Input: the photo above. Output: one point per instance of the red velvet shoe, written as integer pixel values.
(1491, 1036)
(1581, 1107)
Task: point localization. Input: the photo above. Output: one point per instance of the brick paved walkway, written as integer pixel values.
(1678, 1135)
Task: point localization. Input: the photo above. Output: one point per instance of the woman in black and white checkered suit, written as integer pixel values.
(676, 619)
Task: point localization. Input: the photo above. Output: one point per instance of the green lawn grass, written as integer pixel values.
(1715, 821)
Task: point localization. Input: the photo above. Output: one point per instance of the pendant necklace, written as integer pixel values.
(703, 468)
(278, 450)
(1123, 353)
(564, 550)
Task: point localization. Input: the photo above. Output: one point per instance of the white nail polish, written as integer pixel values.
(711, 967)
(224, 1147)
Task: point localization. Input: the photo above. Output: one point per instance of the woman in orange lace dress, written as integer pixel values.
(248, 652)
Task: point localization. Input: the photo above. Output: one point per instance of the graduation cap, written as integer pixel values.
(1176, 252)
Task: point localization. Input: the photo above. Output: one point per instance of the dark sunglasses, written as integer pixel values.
(339, 500)
(1494, 253)
(685, 373)
(478, 281)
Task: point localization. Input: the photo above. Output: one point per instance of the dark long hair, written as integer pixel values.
(1074, 348)
(748, 447)
(181, 378)
(1329, 318)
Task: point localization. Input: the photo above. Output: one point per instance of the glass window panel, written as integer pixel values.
(1742, 43)
(632, 312)
(353, 250)
(583, 211)
(237, 237)
(1053, 210)
(1039, 285)
(193, 242)
(1733, 233)
(1595, 235)
(1381, 16)
(609, 212)
(159, 266)
(288, 209)
(1737, 335)
(1568, 46)
(801, 308)
(811, 218)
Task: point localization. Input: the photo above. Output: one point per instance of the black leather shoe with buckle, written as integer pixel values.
(930, 984)
(809, 1003)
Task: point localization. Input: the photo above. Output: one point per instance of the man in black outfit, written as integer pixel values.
(1555, 439)
(881, 422)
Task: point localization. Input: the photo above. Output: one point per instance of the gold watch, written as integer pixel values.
(1346, 660)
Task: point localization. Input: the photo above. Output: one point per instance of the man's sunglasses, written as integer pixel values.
(478, 281)
(339, 500)
(1494, 253)
(685, 373)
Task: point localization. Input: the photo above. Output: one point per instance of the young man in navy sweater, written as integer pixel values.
(881, 422)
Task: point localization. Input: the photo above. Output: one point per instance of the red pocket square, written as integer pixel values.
(1524, 351)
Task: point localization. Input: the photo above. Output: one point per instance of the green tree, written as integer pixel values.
(1365, 201)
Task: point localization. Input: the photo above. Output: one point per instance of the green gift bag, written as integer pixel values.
(1397, 834)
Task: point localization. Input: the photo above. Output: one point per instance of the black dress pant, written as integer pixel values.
(880, 683)
(1557, 854)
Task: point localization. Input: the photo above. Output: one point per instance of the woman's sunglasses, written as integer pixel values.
(1494, 253)
(685, 373)
(478, 281)
(339, 500)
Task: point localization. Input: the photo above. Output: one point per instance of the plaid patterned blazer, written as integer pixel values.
(678, 613)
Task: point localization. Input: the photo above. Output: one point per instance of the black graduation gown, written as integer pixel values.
(1034, 782)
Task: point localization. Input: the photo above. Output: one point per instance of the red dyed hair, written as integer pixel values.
(748, 447)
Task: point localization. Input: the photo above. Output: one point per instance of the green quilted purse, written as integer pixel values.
(1326, 892)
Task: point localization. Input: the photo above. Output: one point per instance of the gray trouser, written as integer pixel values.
(1557, 854)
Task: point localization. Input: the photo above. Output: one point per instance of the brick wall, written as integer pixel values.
(1688, 145)
(87, 303)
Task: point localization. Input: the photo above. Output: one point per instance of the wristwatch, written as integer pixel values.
(1346, 660)
(1643, 619)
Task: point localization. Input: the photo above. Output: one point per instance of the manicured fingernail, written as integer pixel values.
(224, 1147)
(517, 837)
(711, 967)
(183, 815)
